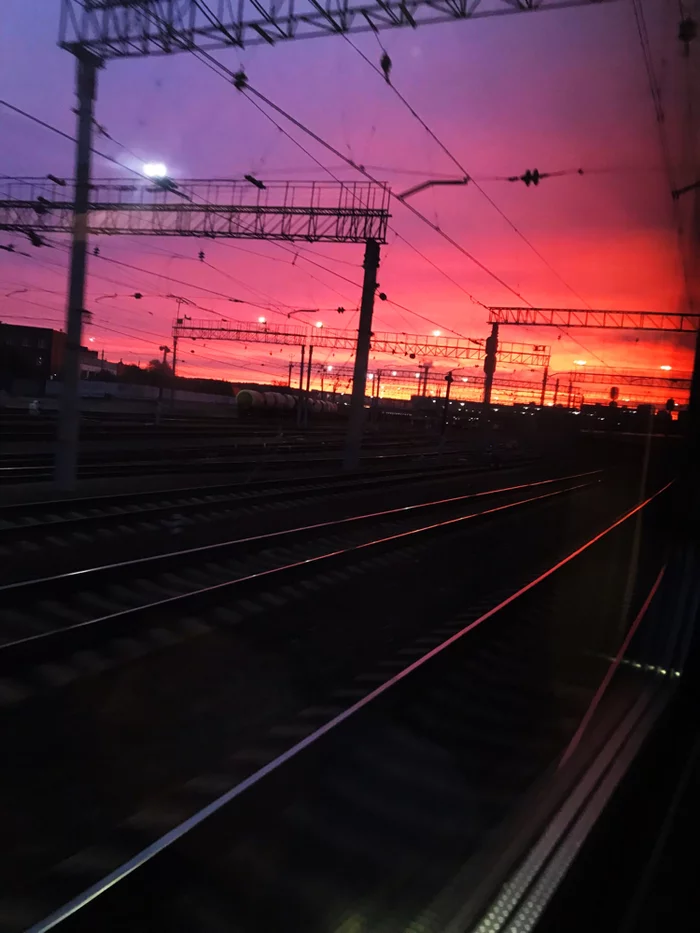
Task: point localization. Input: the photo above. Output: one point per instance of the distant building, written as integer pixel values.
(31, 354)
(92, 366)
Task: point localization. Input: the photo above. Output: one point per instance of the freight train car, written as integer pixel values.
(253, 402)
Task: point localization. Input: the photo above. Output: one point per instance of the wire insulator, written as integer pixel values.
(385, 62)
(240, 80)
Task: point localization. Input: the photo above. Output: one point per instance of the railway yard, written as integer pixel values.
(229, 669)
(349, 456)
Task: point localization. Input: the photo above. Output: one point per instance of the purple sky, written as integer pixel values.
(553, 91)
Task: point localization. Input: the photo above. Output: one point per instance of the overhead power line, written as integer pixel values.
(222, 73)
(72, 139)
(229, 76)
(248, 89)
(468, 175)
(421, 216)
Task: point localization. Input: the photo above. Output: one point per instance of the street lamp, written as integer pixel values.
(155, 170)
(433, 183)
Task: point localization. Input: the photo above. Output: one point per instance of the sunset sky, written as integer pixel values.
(555, 91)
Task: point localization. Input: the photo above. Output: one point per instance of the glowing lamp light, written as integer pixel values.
(318, 324)
(262, 320)
(666, 368)
(393, 372)
(91, 339)
(155, 170)
(417, 375)
(579, 362)
(329, 368)
(436, 333)
(465, 378)
(370, 376)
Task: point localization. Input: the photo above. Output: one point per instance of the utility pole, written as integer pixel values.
(159, 403)
(571, 393)
(544, 386)
(449, 379)
(556, 392)
(308, 387)
(300, 402)
(490, 363)
(353, 441)
(172, 376)
(69, 417)
(289, 377)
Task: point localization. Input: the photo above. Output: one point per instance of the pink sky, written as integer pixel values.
(554, 91)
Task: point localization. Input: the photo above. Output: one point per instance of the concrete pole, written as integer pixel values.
(353, 440)
(174, 367)
(308, 387)
(69, 416)
(300, 400)
(449, 379)
(490, 363)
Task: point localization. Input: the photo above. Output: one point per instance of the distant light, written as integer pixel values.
(393, 372)
(91, 339)
(465, 378)
(580, 362)
(370, 376)
(155, 170)
(417, 375)
(262, 320)
(436, 333)
(329, 368)
(667, 368)
(318, 324)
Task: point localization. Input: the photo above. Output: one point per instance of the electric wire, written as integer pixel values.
(468, 175)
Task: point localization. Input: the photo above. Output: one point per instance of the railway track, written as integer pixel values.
(374, 785)
(37, 613)
(22, 468)
(77, 522)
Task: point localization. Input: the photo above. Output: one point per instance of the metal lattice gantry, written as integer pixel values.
(310, 211)
(411, 345)
(606, 378)
(616, 320)
(386, 375)
(135, 28)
